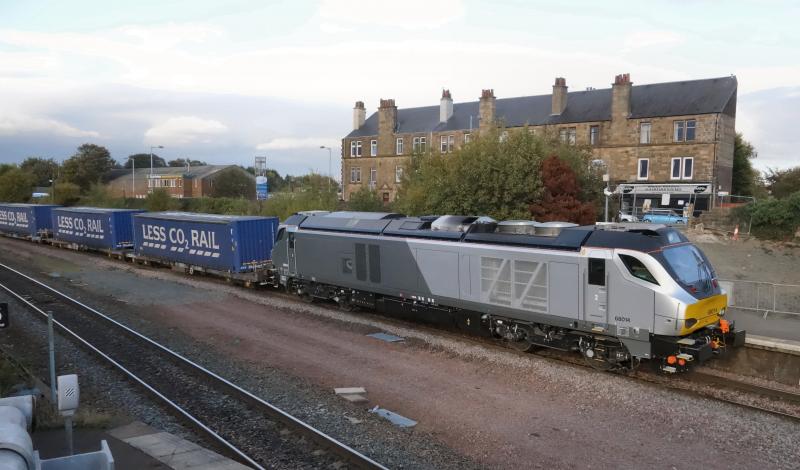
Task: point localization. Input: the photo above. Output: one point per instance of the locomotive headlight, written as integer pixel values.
(722, 312)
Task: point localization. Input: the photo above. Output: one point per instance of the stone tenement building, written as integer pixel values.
(672, 138)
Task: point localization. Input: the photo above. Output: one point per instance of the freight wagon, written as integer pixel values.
(26, 220)
(235, 246)
(94, 228)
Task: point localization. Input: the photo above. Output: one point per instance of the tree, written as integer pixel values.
(783, 183)
(561, 199)
(366, 200)
(178, 162)
(745, 178)
(234, 183)
(142, 160)
(88, 165)
(42, 169)
(491, 176)
(16, 185)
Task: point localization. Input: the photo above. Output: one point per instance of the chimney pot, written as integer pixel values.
(487, 94)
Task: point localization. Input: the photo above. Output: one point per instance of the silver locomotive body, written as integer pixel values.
(617, 294)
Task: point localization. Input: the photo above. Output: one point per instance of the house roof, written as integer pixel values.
(655, 100)
(202, 171)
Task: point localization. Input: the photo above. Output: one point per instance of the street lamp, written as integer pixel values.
(330, 173)
(151, 157)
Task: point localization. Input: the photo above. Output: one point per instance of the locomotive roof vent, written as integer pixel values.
(453, 223)
(552, 229)
(519, 227)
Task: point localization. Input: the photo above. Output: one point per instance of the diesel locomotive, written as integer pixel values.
(616, 294)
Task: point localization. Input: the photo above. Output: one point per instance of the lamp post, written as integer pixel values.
(330, 173)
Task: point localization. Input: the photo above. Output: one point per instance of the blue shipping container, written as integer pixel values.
(227, 243)
(26, 219)
(95, 227)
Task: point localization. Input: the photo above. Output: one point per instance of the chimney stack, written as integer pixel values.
(359, 115)
(445, 106)
(387, 126)
(486, 109)
(621, 97)
(559, 96)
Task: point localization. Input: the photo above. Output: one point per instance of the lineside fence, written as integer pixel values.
(764, 297)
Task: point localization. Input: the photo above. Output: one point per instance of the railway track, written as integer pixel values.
(236, 421)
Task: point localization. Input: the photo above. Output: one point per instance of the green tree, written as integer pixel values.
(783, 183)
(16, 185)
(494, 176)
(365, 199)
(42, 169)
(4, 167)
(142, 160)
(745, 178)
(233, 183)
(178, 162)
(88, 165)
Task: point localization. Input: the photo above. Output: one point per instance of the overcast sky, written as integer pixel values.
(224, 83)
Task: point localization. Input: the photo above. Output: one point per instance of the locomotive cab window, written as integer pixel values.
(281, 233)
(597, 271)
(638, 269)
(291, 241)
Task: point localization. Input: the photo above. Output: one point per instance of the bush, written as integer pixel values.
(776, 219)
(365, 200)
(66, 194)
(160, 200)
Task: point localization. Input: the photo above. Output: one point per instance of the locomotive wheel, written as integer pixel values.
(521, 345)
(346, 306)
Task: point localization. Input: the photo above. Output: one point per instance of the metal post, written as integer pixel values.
(68, 430)
(133, 178)
(52, 352)
(606, 195)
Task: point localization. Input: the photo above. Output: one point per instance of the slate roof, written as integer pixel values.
(655, 100)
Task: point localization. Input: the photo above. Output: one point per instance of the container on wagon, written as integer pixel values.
(227, 243)
(31, 220)
(95, 227)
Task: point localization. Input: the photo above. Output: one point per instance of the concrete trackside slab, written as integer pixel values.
(774, 344)
(171, 450)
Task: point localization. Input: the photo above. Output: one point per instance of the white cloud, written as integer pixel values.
(182, 130)
(650, 39)
(14, 124)
(286, 143)
(408, 15)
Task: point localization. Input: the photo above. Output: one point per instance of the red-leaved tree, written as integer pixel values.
(561, 196)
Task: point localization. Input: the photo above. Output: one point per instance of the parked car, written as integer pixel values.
(623, 217)
(664, 216)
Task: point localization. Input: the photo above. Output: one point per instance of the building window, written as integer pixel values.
(399, 146)
(419, 144)
(373, 148)
(467, 137)
(594, 135)
(355, 148)
(373, 177)
(688, 168)
(447, 143)
(398, 174)
(571, 136)
(644, 133)
(644, 169)
(675, 171)
(355, 174)
(684, 131)
(562, 136)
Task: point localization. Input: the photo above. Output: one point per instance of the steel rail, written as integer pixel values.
(341, 449)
